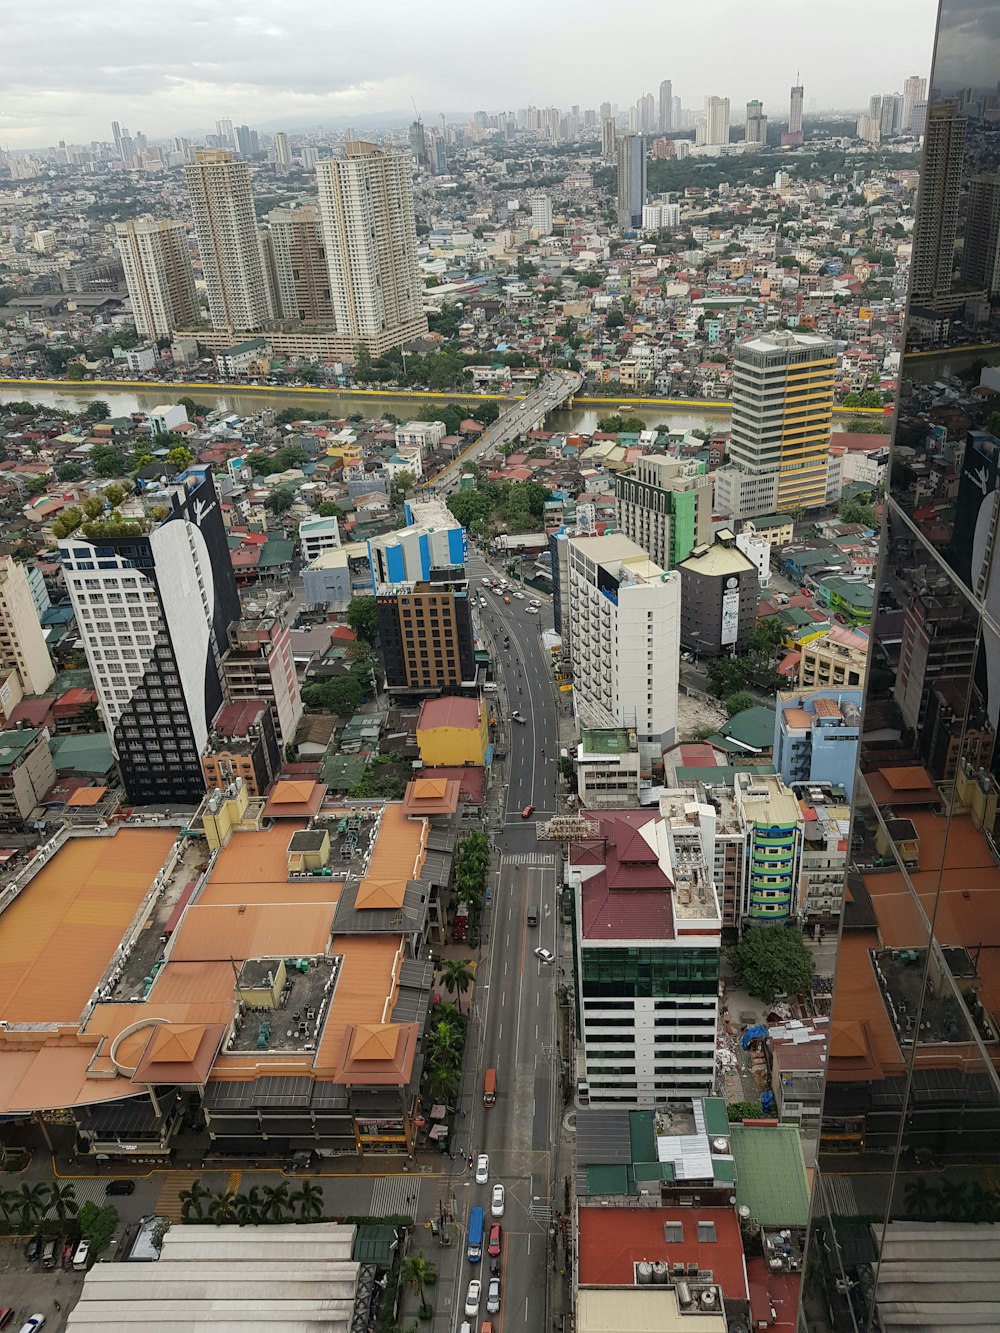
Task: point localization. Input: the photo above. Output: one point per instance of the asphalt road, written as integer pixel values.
(514, 1025)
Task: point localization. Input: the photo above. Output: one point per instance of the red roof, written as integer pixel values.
(613, 1240)
(37, 712)
(772, 1291)
(237, 718)
(343, 634)
(449, 711)
(629, 898)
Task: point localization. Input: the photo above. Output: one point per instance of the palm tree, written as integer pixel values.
(221, 1209)
(920, 1198)
(243, 1210)
(8, 1204)
(415, 1272)
(456, 976)
(442, 1084)
(309, 1200)
(274, 1203)
(445, 1042)
(30, 1203)
(193, 1201)
(62, 1199)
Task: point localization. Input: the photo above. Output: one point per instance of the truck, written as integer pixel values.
(460, 925)
(490, 1087)
(474, 1243)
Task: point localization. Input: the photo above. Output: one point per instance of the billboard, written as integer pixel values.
(730, 612)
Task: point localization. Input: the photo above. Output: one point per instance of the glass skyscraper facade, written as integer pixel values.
(909, 1152)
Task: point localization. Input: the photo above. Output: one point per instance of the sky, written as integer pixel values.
(69, 69)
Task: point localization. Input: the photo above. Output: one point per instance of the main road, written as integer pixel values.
(514, 1028)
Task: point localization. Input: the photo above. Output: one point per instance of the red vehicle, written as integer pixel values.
(496, 1240)
(527, 812)
(460, 926)
(67, 1254)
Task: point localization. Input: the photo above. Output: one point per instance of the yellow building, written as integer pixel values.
(452, 731)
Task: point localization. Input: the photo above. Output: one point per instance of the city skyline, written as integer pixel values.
(267, 75)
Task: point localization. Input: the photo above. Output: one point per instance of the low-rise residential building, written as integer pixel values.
(816, 735)
(26, 774)
(421, 435)
(318, 535)
(453, 731)
(772, 823)
(825, 842)
(837, 658)
(327, 581)
(242, 744)
(608, 768)
(247, 358)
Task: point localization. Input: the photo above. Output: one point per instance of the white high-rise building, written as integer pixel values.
(541, 215)
(914, 91)
(282, 150)
(158, 274)
(366, 210)
(666, 107)
(224, 130)
(226, 226)
(22, 643)
(756, 123)
(795, 109)
(716, 121)
(623, 615)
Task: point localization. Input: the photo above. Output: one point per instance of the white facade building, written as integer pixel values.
(317, 535)
(541, 215)
(422, 435)
(624, 618)
(758, 549)
(22, 643)
(661, 215)
(158, 275)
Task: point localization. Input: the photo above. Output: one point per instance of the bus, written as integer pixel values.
(474, 1249)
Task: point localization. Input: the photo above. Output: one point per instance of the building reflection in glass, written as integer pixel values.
(908, 1191)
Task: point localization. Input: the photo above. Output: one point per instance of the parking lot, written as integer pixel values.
(29, 1289)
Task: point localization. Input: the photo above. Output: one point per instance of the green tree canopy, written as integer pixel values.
(97, 1225)
(858, 510)
(727, 676)
(739, 702)
(362, 617)
(98, 410)
(108, 460)
(68, 471)
(771, 959)
(280, 500)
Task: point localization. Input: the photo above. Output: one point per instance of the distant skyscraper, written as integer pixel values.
(117, 132)
(795, 110)
(647, 113)
(605, 110)
(226, 226)
(716, 121)
(541, 214)
(153, 607)
(608, 139)
(282, 150)
(158, 274)
(247, 141)
(782, 414)
(756, 123)
(224, 129)
(981, 251)
(914, 91)
(936, 219)
(418, 143)
(301, 273)
(366, 210)
(631, 180)
(666, 122)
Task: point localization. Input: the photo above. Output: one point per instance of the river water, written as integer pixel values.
(122, 402)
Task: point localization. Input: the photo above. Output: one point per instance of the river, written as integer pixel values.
(122, 402)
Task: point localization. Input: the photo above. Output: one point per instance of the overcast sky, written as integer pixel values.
(67, 69)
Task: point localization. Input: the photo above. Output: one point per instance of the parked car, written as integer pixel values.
(120, 1187)
(496, 1239)
(6, 1315)
(472, 1298)
(49, 1252)
(493, 1296)
(482, 1169)
(67, 1255)
(545, 956)
(33, 1323)
(497, 1202)
(81, 1255)
(33, 1249)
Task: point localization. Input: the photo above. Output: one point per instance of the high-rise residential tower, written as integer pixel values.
(716, 121)
(981, 251)
(631, 180)
(541, 214)
(226, 226)
(608, 139)
(301, 273)
(666, 121)
(22, 643)
(795, 109)
(914, 91)
(282, 151)
(369, 232)
(935, 223)
(756, 123)
(154, 595)
(782, 415)
(664, 505)
(159, 276)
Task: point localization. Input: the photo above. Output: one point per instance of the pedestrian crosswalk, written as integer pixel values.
(170, 1203)
(396, 1196)
(537, 859)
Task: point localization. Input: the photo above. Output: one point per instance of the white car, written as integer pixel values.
(482, 1169)
(545, 955)
(519, 717)
(493, 1296)
(33, 1323)
(482, 601)
(497, 1202)
(472, 1297)
(519, 596)
(532, 610)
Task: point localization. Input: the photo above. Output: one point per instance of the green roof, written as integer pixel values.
(275, 551)
(754, 726)
(770, 1174)
(604, 740)
(771, 521)
(723, 1170)
(88, 753)
(343, 772)
(658, 1171)
(12, 746)
(607, 1180)
(642, 1136)
(372, 1245)
(716, 1118)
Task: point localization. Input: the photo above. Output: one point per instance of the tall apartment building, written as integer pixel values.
(782, 415)
(301, 273)
(608, 139)
(22, 643)
(154, 597)
(795, 109)
(666, 121)
(425, 631)
(772, 823)
(158, 275)
(935, 223)
(756, 131)
(225, 223)
(914, 92)
(631, 180)
(541, 214)
(716, 129)
(623, 614)
(258, 664)
(648, 948)
(664, 505)
(720, 590)
(282, 150)
(981, 250)
(369, 231)
(26, 774)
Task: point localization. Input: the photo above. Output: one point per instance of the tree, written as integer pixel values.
(765, 638)
(615, 320)
(771, 959)
(737, 1111)
(30, 1203)
(400, 487)
(180, 457)
(93, 506)
(417, 1271)
(362, 616)
(193, 1201)
(739, 702)
(75, 370)
(280, 500)
(97, 1225)
(445, 1043)
(98, 410)
(329, 510)
(858, 511)
(62, 1200)
(274, 1203)
(108, 460)
(456, 977)
(115, 494)
(727, 675)
(193, 409)
(222, 1208)
(308, 1198)
(67, 522)
(68, 472)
